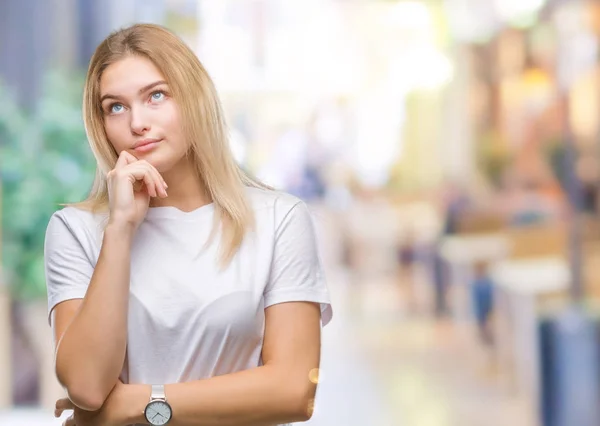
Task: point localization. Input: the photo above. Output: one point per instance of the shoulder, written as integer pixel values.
(278, 202)
(280, 210)
(76, 221)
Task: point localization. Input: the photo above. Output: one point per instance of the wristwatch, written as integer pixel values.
(158, 412)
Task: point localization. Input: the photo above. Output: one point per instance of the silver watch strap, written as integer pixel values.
(158, 392)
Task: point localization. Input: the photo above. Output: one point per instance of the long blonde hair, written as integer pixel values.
(202, 118)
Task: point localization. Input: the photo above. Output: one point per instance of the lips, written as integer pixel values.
(146, 145)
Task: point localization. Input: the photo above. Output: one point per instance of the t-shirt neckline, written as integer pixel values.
(173, 212)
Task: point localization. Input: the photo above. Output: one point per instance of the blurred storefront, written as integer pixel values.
(344, 73)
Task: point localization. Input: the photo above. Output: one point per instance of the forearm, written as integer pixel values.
(91, 353)
(262, 396)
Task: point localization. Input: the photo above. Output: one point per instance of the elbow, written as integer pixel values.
(81, 392)
(84, 398)
(296, 393)
(85, 390)
(303, 404)
(306, 409)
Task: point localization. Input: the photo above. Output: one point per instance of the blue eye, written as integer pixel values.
(116, 108)
(158, 96)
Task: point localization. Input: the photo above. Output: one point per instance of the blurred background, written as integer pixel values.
(449, 150)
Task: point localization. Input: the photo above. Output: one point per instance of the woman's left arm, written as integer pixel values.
(280, 391)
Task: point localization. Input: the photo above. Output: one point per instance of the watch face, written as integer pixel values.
(158, 413)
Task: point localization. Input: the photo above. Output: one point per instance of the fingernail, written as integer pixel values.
(165, 184)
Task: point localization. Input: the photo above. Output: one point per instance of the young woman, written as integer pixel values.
(181, 291)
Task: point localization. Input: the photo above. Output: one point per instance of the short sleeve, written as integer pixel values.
(296, 270)
(68, 270)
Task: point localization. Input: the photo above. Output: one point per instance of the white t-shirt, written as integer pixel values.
(188, 320)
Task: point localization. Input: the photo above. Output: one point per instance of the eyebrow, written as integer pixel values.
(142, 90)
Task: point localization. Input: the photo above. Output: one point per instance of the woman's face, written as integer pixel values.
(140, 116)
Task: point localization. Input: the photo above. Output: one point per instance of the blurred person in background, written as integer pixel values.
(154, 322)
(455, 202)
(482, 297)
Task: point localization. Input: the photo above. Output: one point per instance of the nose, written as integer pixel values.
(139, 121)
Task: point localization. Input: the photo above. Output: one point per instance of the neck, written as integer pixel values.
(185, 190)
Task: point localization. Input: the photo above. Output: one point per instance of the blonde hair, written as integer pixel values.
(203, 122)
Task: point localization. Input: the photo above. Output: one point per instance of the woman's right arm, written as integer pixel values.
(91, 333)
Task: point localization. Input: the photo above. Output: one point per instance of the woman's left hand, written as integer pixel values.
(111, 414)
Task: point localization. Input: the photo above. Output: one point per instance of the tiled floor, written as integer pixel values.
(430, 373)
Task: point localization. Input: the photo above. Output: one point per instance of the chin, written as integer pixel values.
(163, 164)
(157, 160)
(164, 160)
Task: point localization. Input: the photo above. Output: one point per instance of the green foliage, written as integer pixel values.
(44, 161)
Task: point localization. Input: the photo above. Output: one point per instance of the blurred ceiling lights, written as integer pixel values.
(518, 10)
(479, 20)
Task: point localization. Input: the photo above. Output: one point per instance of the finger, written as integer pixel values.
(59, 412)
(122, 161)
(159, 176)
(152, 179)
(139, 172)
(155, 172)
(150, 183)
(161, 185)
(129, 157)
(64, 404)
